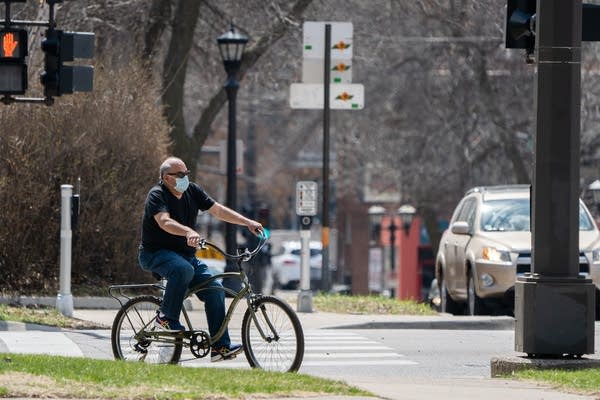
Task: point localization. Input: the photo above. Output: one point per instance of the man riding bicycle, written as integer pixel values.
(169, 244)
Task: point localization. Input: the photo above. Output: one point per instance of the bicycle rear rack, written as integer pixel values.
(118, 292)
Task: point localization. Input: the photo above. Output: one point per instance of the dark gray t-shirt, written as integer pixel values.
(183, 210)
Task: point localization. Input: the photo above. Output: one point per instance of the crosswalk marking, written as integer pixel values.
(325, 349)
(321, 349)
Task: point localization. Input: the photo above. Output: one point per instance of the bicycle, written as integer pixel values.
(272, 336)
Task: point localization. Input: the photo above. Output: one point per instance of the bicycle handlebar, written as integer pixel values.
(245, 255)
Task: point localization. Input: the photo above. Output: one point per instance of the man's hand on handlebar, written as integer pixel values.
(193, 238)
(255, 227)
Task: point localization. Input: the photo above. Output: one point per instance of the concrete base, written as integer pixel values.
(554, 316)
(64, 304)
(510, 364)
(305, 303)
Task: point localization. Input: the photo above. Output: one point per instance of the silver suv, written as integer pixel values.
(488, 244)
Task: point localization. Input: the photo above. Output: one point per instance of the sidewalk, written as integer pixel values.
(404, 388)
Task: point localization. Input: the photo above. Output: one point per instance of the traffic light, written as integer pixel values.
(520, 25)
(59, 47)
(13, 70)
(521, 20)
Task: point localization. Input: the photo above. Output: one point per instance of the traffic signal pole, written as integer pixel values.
(554, 305)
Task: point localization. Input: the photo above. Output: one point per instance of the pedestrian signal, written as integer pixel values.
(13, 70)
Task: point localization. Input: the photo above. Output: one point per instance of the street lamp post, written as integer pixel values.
(407, 214)
(376, 214)
(392, 227)
(231, 46)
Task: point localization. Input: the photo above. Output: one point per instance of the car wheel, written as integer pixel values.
(447, 304)
(475, 304)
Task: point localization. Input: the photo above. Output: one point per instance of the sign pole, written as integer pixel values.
(306, 208)
(325, 226)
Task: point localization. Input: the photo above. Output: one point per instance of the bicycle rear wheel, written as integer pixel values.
(275, 340)
(128, 338)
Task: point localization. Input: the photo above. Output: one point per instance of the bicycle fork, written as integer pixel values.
(268, 338)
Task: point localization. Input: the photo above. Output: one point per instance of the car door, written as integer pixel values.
(468, 213)
(448, 247)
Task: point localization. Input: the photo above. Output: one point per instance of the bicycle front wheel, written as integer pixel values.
(132, 338)
(272, 336)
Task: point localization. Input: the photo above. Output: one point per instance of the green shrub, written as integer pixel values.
(114, 139)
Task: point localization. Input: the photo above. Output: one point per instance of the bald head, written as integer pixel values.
(169, 163)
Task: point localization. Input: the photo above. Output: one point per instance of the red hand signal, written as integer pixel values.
(9, 44)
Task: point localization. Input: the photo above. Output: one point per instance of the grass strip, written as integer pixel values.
(42, 316)
(345, 304)
(581, 381)
(56, 376)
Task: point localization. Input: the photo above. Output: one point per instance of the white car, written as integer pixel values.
(286, 263)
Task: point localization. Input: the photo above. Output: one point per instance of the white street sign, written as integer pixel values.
(341, 96)
(313, 35)
(313, 71)
(306, 198)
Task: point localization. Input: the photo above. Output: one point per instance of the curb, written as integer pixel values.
(12, 326)
(82, 303)
(95, 302)
(496, 324)
(510, 364)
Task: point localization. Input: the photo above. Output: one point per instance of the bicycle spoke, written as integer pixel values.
(132, 337)
(273, 337)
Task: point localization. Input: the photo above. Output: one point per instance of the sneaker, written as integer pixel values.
(167, 324)
(225, 352)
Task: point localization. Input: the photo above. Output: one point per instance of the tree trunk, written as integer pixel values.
(174, 73)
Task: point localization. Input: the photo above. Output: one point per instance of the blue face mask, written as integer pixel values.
(181, 184)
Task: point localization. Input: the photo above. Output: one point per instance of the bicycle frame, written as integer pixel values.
(245, 292)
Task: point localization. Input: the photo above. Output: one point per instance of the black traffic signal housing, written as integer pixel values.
(520, 25)
(13, 69)
(521, 21)
(52, 64)
(59, 47)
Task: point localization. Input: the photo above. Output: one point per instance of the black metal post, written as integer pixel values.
(553, 305)
(231, 87)
(392, 229)
(325, 228)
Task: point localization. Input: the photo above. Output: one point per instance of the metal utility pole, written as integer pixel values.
(554, 306)
(326, 108)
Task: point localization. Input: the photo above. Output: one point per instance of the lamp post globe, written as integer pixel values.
(231, 46)
(376, 214)
(406, 213)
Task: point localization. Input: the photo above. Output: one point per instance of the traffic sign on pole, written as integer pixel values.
(341, 96)
(341, 40)
(306, 198)
(340, 71)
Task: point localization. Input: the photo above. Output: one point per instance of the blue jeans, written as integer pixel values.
(182, 273)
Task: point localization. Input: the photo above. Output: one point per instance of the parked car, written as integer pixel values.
(285, 263)
(488, 244)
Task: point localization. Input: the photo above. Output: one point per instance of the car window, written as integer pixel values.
(513, 215)
(457, 211)
(313, 252)
(585, 223)
(467, 210)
